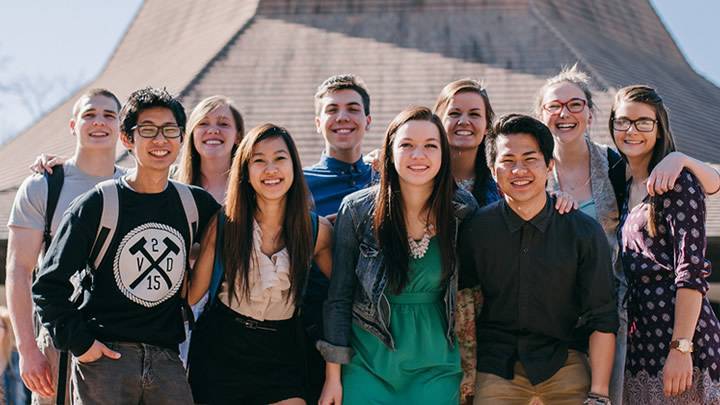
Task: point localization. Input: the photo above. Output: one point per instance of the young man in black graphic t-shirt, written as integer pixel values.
(124, 337)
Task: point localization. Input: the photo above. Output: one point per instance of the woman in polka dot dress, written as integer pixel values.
(673, 335)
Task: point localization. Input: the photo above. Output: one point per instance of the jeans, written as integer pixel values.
(144, 374)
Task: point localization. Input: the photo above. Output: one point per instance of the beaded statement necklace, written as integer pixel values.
(419, 248)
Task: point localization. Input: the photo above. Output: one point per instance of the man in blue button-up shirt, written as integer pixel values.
(342, 115)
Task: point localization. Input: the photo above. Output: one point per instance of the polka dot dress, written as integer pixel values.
(656, 267)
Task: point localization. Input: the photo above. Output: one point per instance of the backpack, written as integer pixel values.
(109, 217)
(54, 184)
(108, 224)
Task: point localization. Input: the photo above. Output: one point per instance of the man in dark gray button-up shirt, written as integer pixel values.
(546, 281)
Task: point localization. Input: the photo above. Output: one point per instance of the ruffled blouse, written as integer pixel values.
(269, 285)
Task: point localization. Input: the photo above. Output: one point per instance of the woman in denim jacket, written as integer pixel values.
(390, 311)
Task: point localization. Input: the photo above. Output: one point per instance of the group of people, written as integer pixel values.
(475, 259)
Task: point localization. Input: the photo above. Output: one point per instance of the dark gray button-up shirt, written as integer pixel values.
(547, 284)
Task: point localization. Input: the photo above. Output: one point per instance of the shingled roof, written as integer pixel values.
(270, 55)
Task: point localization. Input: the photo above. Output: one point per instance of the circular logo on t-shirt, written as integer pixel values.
(149, 264)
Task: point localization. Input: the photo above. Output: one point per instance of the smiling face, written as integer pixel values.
(342, 122)
(566, 126)
(270, 169)
(416, 153)
(465, 121)
(633, 143)
(96, 124)
(158, 153)
(519, 168)
(215, 134)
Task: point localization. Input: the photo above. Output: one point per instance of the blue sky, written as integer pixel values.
(40, 50)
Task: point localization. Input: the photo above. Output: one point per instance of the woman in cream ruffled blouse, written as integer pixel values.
(265, 245)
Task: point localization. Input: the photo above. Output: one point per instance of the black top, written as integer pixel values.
(546, 283)
(134, 296)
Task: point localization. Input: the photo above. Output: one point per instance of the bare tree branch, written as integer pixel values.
(36, 94)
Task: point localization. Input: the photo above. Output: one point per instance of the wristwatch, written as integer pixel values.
(597, 399)
(682, 345)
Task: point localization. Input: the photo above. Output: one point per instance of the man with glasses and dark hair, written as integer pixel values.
(124, 337)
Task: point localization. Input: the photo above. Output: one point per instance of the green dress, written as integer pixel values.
(423, 369)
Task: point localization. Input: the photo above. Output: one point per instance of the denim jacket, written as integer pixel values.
(358, 282)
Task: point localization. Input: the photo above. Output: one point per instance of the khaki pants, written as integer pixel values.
(568, 386)
(45, 344)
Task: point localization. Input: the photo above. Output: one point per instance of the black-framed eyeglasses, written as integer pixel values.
(641, 124)
(151, 131)
(574, 105)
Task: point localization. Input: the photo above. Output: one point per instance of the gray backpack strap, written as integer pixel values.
(108, 221)
(189, 206)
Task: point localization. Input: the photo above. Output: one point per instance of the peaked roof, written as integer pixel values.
(270, 55)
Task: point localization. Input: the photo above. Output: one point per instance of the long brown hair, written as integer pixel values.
(189, 167)
(389, 215)
(664, 144)
(482, 171)
(241, 207)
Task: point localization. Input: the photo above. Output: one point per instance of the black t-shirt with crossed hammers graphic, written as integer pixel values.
(135, 293)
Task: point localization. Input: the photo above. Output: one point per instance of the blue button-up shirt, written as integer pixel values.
(330, 180)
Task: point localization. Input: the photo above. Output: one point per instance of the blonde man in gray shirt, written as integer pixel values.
(94, 125)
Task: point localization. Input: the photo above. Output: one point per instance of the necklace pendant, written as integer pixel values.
(419, 248)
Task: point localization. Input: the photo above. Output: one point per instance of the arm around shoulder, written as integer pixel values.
(666, 173)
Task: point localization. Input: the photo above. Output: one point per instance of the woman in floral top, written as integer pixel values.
(673, 335)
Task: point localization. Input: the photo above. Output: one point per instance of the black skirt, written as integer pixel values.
(250, 361)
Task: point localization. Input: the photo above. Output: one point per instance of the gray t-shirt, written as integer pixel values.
(30, 203)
